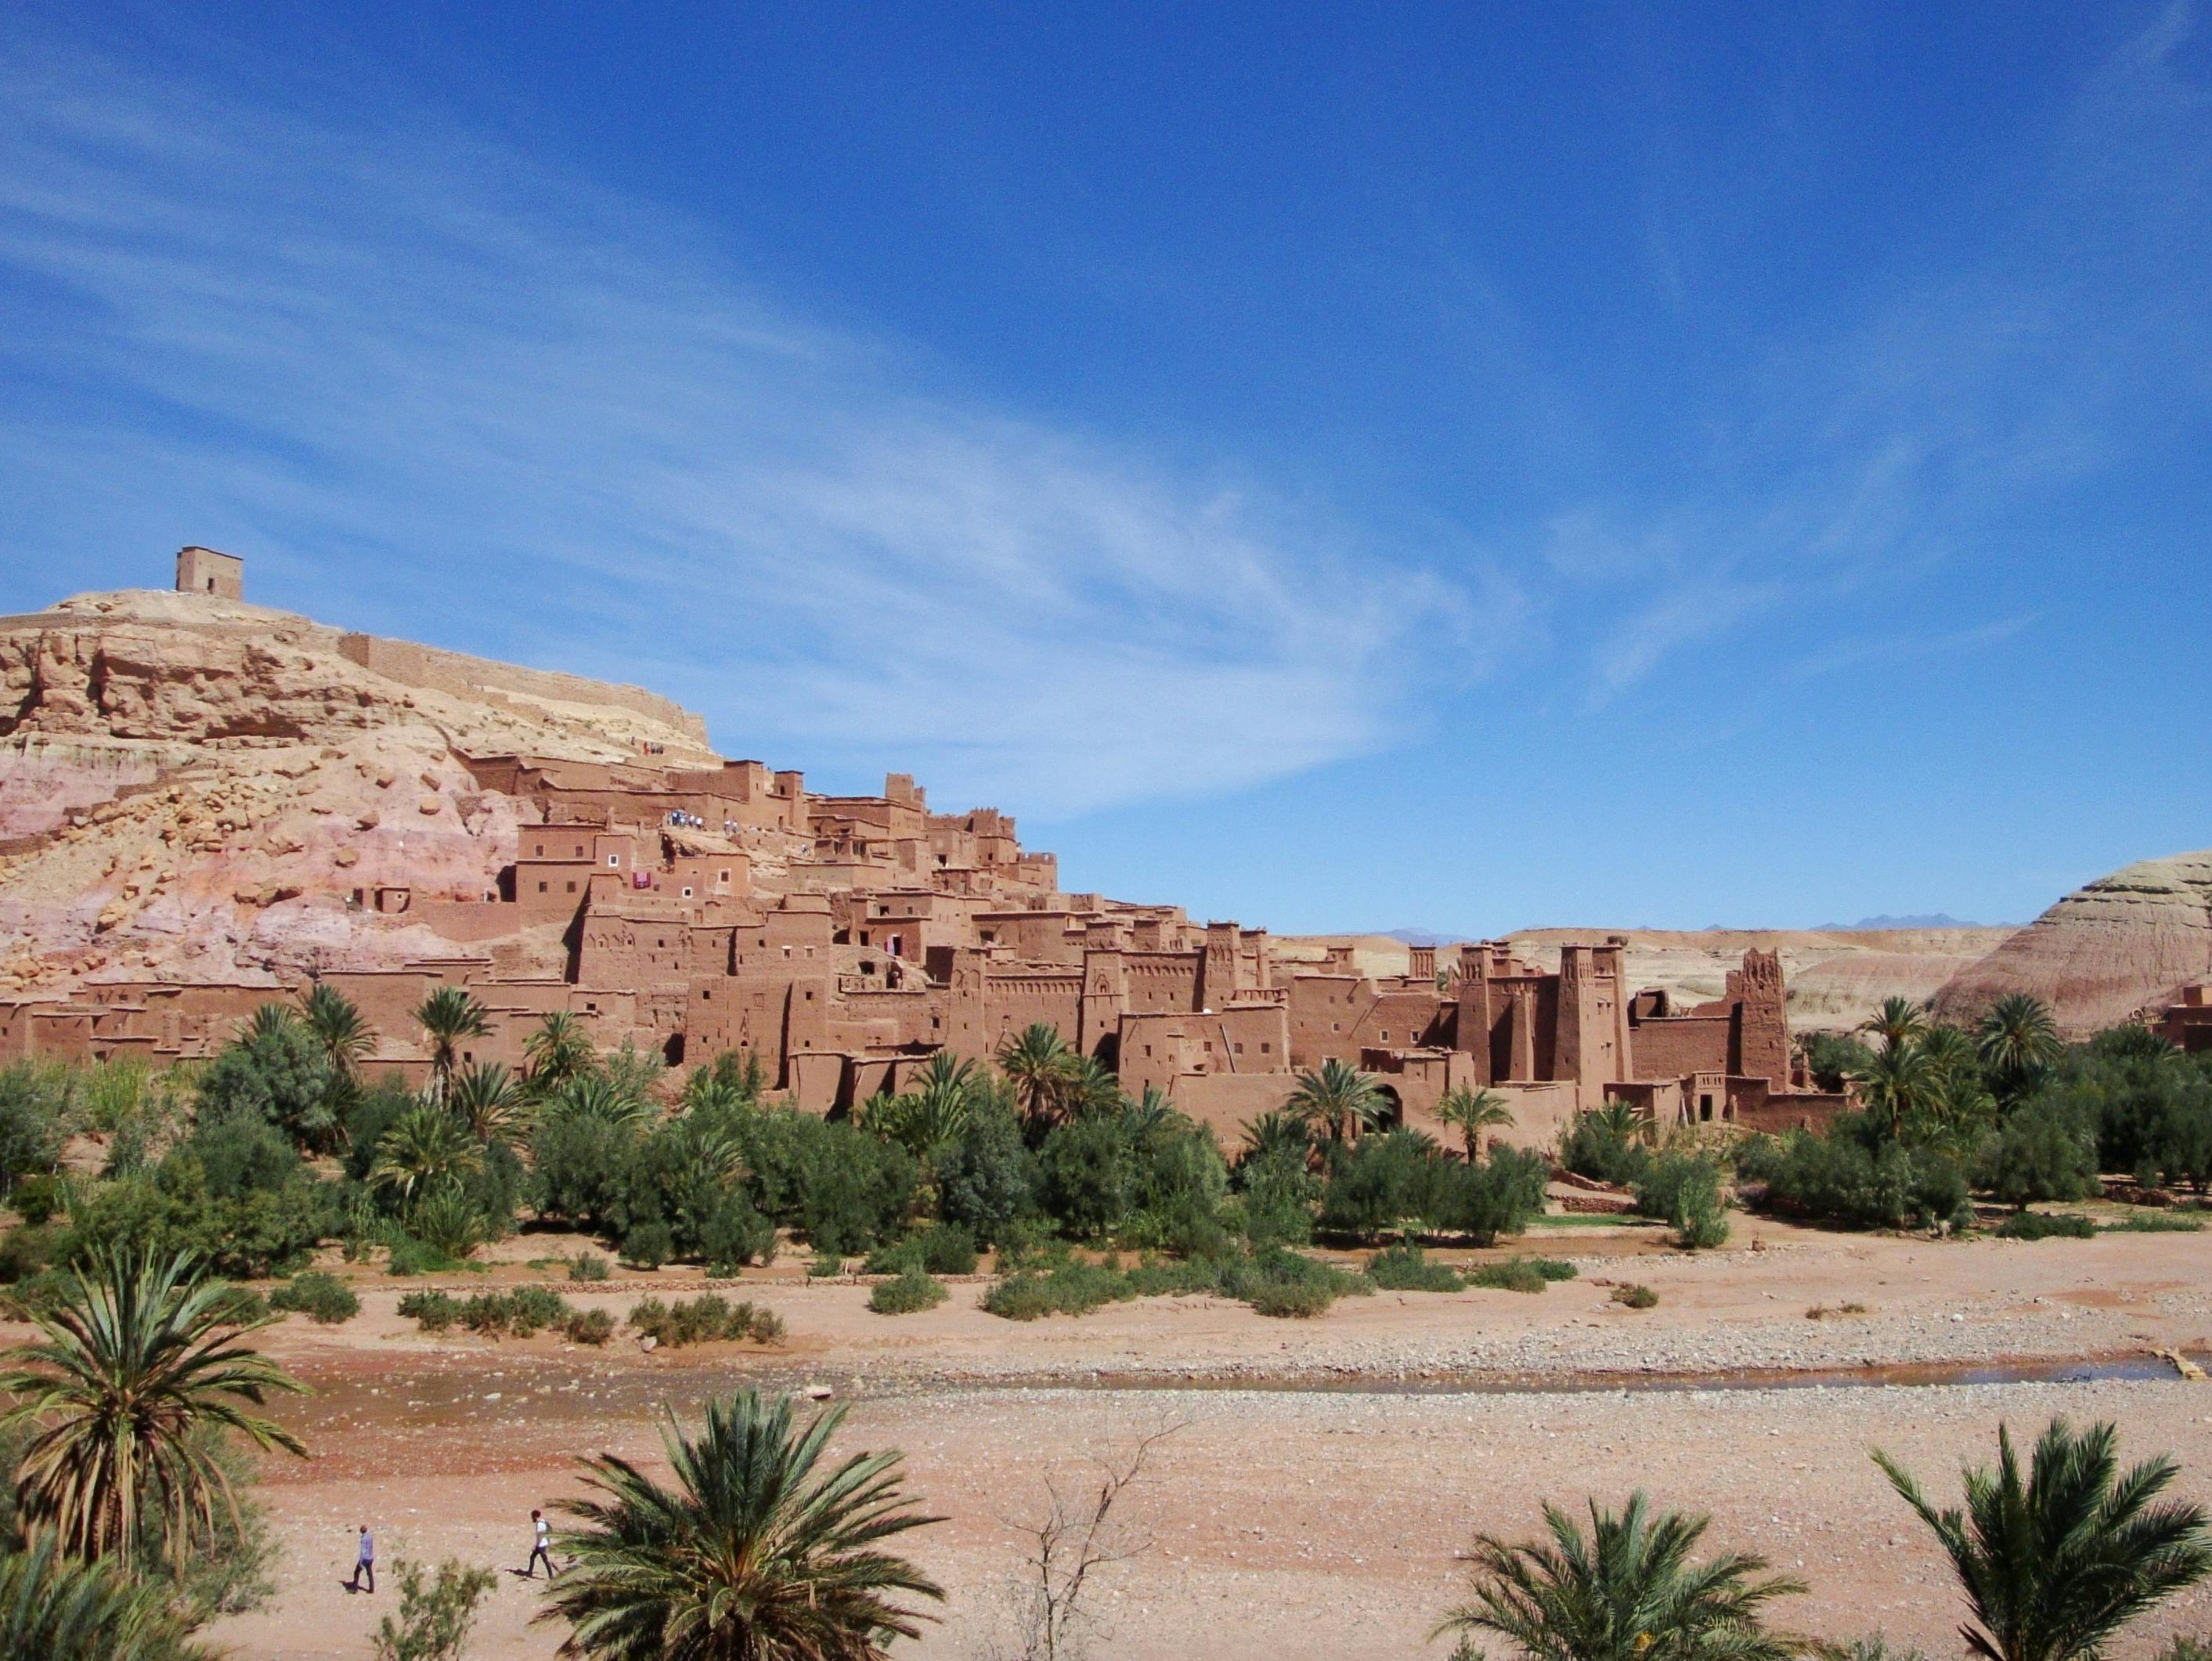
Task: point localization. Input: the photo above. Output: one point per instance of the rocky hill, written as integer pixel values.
(196, 788)
(2121, 944)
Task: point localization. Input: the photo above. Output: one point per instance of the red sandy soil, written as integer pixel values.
(1287, 1521)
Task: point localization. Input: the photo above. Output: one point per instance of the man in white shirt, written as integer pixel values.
(541, 1548)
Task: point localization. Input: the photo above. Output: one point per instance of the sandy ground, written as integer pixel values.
(1323, 1473)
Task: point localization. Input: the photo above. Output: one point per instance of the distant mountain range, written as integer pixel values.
(1928, 919)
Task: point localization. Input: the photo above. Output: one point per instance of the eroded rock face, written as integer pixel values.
(198, 789)
(2123, 943)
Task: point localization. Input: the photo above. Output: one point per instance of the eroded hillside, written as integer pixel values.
(196, 788)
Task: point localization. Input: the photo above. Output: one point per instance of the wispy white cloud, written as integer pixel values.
(514, 409)
(1864, 453)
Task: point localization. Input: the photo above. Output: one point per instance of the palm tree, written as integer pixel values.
(267, 1022)
(338, 1024)
(489, 1100)
(60, 1608)
(448, 1017)
(596, 1096)
(426, 1147)
(938, 1109)
(137, 1370)
(1898, 1022)
(1957, 1095)
(755, 1553)
(2018, 1039)
(1088, 1087)
(1341, 1099)
(2052, 1567)
(1629, 1592)
(1277, 1134)
(1036, 1062)
(557, 1051)
(1898, 1079)
(1470, 1112)
(1150, 1110)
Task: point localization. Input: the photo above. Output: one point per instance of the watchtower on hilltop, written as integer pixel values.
(205, 571)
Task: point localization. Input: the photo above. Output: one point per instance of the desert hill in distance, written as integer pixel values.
(2121, 946)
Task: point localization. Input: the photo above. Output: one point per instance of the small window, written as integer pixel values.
(580, 850)
(686, 891)
(810, 998)
(1240, 1049)
(541, 887)
(1265, 1046)
(705, 993)
(572, 888)
(539, 850)
(614, 859)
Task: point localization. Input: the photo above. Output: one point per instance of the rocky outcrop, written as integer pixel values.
(2123, 943)
(198, 789)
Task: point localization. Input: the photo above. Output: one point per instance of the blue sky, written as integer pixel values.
(1335, 467)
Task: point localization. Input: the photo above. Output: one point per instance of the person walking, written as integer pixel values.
(543, 1548)
(365, 1563)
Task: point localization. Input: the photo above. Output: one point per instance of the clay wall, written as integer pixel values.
(459, 675)
(1673, 1045)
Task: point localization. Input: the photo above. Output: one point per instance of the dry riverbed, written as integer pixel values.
(1324, 1472)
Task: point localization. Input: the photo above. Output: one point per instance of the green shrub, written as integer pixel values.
(1854, 1172)
(1091, 1175)
(448, 1222)
(708, 1319)
(1381, 1182)
(276, 1072)
(38, 1198)
(938, 1249)
(588, 1326)
(1606, 1148)
(26, 1251)
(412, 1256)
(1027, 1296)
(2148, 1222)
(1403, 1268)
(1503, 1195)
(1553, 1268)
(586, 1266)
(856, 1190)
(1278, 1194)
(321, 1297)
(2045, 1151)
(648, 1245)
(1636, 1296)
(825, 1269)
(1514, 1274)
(530, 1308)
(580, 1168)
(988, 1180)
(1290, 1299)
(34, 1112)
(2045, 1225)
(486, 1313)
(430, 1310)
(734, 1235)
(435, 1612)
(906, 1293)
